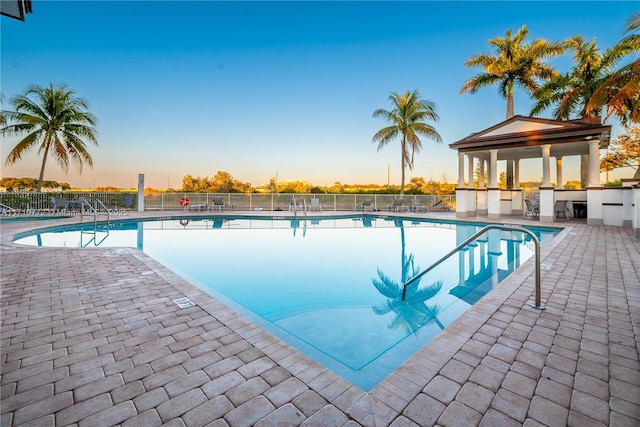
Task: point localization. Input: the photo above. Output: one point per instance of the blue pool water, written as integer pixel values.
(330, 287)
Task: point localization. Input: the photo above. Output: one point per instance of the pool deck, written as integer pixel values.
(92, 337)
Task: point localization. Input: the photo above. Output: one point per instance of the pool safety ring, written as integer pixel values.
(184, 222)
(184, 201)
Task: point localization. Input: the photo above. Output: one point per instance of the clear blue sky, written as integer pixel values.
(252, 88)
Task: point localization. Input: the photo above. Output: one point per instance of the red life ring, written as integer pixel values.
(184, 222)
(184, 201)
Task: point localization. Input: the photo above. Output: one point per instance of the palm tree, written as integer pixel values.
(413, 312)
(620, 92)
(408, 121)
(570, 92)
(55, 121)
(514, 63)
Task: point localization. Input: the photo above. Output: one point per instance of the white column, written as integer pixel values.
(594, 163)
(546, 179)
(141, 192)
(461, 191)
(559, 172)
(460, 170)
(493, 170)
(594, 189)
(481, 175)
(516, 173)
(493, 192)
(471, 191)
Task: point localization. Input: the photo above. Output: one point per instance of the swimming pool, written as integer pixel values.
(328, 286)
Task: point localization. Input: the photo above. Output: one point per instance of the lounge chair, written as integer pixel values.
(80, 204)
(196, 207)
(440, 205)
(417, 206)
(365, 205)
(315, 204)
(296, 204)
(59, 204)
(397, 206)
(530, 210)
(561, 207)
(217, 204)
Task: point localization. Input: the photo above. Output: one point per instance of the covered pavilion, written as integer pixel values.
(521, 137)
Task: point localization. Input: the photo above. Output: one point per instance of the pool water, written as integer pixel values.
(330, 287)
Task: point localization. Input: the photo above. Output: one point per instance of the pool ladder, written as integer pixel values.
(103, 227)
(537, 305)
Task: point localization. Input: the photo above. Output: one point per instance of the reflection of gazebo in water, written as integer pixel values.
(527, 138)
(478, 264)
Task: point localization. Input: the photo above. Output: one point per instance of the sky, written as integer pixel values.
(265, 89)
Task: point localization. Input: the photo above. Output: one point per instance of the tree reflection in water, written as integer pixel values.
(412, 313)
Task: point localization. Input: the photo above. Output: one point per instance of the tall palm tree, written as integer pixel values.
(569, 92)
(55, 121)
(407, 121)
(514, 63)
(620, 92)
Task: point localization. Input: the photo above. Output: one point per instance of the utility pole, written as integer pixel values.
(388, 174)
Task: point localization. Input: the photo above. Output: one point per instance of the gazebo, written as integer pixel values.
(521, 137)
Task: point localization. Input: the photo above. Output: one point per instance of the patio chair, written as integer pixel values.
(561, 207)
(81, 204)
(397, 206)
(531, 209)
(440, 205)
(218, 204)
(196, 207)
(315, 205)
(296, 204)
(59, 204)
(365, 205)
(417, 206)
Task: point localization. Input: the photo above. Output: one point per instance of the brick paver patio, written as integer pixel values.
(91, 337)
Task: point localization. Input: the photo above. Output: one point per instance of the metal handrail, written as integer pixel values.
(536, 305)
(85, 202)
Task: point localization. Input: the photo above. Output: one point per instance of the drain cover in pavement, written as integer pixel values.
(184, 302)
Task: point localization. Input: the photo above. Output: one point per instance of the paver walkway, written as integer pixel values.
(92, 337)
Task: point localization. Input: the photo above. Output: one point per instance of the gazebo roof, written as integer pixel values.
(520, 137)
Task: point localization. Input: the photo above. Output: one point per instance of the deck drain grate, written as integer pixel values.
(184, 302)
(545, 267)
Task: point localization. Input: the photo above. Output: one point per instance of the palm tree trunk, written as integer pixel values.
(509, 100)
(402, 164)
(44, 162)
(509, 115)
